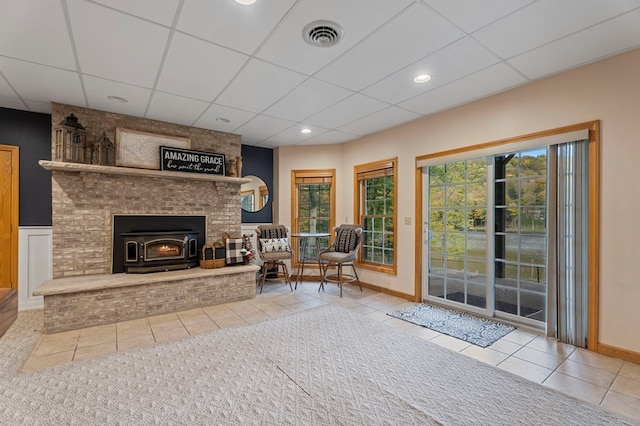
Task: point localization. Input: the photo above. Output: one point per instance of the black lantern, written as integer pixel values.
(104, 151)
(70, 140)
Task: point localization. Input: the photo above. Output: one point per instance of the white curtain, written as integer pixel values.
(568, 256)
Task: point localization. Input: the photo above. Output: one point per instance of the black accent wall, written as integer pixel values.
(32, 133)
(259, 162)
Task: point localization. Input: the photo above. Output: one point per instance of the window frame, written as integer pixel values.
(361, 173)
(311, 176)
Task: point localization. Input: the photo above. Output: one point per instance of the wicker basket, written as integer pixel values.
(208, 261)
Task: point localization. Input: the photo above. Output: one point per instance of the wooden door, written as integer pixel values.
(8, 216)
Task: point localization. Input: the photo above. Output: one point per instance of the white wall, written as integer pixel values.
(608, 90)
(35, 264)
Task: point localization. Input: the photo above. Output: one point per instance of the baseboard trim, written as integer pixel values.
(620, 353)
(409, 297)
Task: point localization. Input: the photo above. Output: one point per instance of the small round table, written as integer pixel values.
(304, 244)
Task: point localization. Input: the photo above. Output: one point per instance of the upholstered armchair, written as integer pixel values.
(342, 252)
(273, 249)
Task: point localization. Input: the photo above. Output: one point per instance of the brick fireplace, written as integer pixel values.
(84, 203)
(85, 200)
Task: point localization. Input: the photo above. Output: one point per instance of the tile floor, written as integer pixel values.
(600, 380)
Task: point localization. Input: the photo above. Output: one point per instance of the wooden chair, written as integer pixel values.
(342, 252)
(273, 249)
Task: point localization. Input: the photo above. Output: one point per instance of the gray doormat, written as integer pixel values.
(479, 331)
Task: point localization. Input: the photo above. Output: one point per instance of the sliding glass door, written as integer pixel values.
(487, 234)
(458, 265)
(520, 187)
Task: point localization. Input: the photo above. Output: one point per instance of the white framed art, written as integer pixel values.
(139, 149)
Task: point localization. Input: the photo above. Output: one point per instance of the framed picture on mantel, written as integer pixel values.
(141, 150)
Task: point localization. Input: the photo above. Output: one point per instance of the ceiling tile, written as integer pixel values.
(390, 117)
(330, 137)
(229, 24)
(454, 61)
(11, 102)
(472, 15)
(161, 11)
(249, 64)
(5, 89)
(491, 80)
(413, 34)
(307, 99)
(236, 117)
(615, 35)
(36, 31)
(36, 106)
(116, 46)
(249, 141)
(197, 69)
(98, 90)
(292, 135)
(266, 144)
(175, 109)
(258, 86)
(44, 84)
(544, 21)
(262, 127)
(358, 18)
(350, 109)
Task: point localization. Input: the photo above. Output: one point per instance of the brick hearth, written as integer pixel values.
(79, 302)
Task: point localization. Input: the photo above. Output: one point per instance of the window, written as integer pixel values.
(313, 207)
(375, 195)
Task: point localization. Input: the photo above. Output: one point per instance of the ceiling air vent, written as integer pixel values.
(322, 33)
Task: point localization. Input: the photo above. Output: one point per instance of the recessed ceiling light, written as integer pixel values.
(421, 78)
(223, 120)
(306, 130)
(117, 99)
(245, 2)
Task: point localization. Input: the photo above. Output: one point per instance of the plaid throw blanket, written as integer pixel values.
(234, 251)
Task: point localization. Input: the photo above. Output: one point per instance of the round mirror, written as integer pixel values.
(253, 195)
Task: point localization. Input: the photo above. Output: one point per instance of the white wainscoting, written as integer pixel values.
(250, 229)
(35, 264)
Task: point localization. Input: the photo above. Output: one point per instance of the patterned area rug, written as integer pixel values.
(479, 331)
(324, 366)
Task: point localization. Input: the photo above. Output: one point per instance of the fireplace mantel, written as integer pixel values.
(128, 171)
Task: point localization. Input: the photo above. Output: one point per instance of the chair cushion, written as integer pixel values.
(270, 245)
(234, 254)
(337, 257)
(275, 255)
(346, 240)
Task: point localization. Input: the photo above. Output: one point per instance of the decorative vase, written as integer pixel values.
(239, 166)
(231, 169)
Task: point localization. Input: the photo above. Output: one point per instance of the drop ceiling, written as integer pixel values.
(219, 65)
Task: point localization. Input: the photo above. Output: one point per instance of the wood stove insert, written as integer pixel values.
(154, 243)
(159, 251)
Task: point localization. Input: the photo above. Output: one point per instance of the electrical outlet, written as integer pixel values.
(407, 220)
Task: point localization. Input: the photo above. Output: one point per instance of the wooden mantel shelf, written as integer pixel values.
(128, 171)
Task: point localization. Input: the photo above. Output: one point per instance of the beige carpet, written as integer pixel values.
(325, 366)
